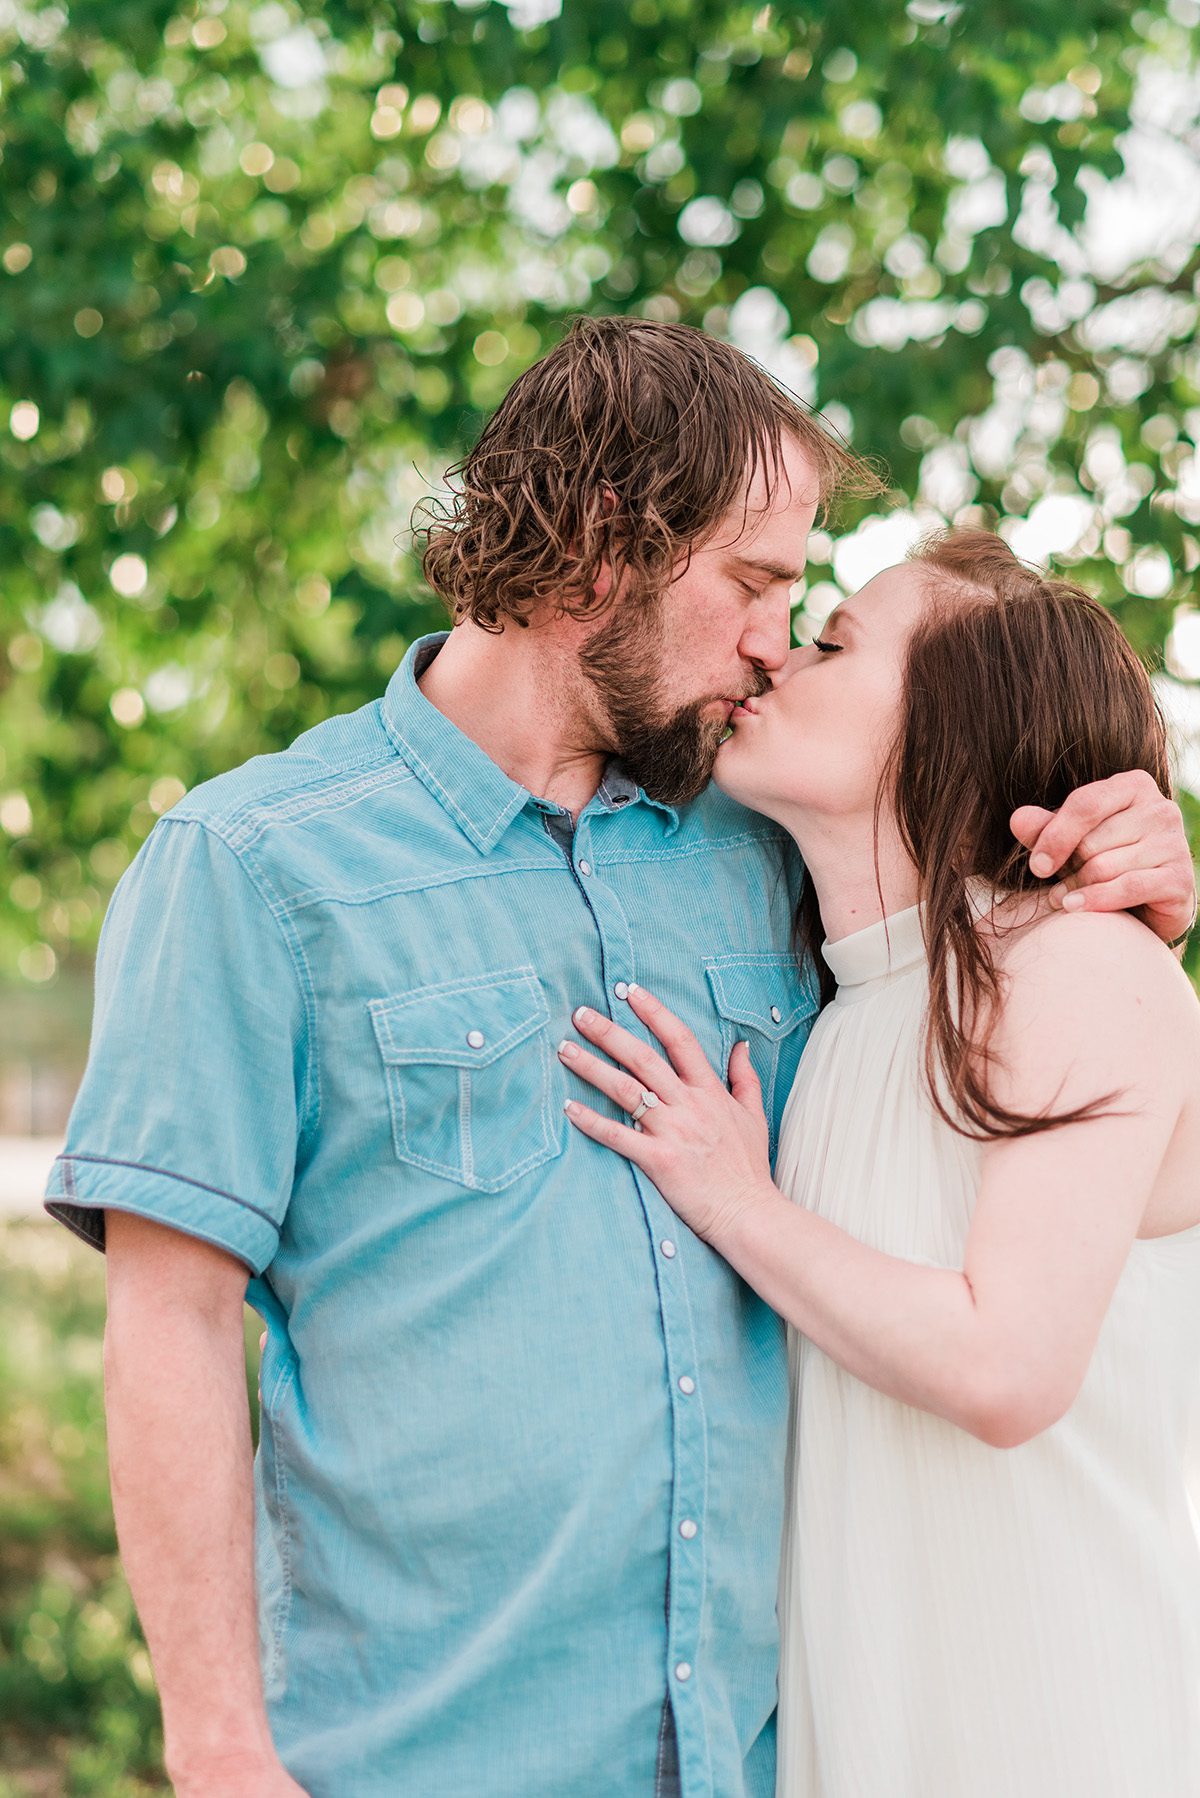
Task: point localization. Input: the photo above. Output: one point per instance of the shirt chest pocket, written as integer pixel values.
(470, 1077)
(765, 1000)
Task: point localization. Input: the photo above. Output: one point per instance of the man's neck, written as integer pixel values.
(840, 856)
(512, 703)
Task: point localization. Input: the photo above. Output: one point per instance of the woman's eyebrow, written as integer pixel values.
(843, 620)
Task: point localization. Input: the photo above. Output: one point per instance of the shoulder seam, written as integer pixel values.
(263, 809)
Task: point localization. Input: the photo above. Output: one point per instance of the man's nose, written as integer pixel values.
(767, 638)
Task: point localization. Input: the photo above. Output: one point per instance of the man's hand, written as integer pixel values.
(1119, 845)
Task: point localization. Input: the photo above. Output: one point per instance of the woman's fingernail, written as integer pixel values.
(633, 987)
(1073, 902)
(566, 1048)
(1041, 864)
(569, 1106)
(1058, 893)
(582, 1015)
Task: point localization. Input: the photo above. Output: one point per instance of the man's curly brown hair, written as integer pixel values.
(626, 444)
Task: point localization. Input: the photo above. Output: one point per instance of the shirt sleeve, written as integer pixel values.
(190, 1106)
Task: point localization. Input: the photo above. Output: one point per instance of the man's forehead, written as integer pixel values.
(768, 523)
(790, 482)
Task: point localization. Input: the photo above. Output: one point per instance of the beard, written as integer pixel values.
(669, 752)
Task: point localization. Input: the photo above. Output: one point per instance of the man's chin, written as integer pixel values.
(679, 765)
(679, 793)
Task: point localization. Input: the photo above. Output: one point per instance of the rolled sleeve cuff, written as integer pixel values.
(82, 1187)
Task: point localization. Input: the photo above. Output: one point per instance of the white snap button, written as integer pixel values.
(686, 1384)
(776, 1015)
(683, 1670)
(585, 867)
(621, 989)
(687, 1529)
(667, 1247)
(475, 1039)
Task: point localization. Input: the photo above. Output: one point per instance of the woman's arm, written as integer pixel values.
(1000, 1348)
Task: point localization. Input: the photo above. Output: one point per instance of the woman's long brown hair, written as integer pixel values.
(1017, 690)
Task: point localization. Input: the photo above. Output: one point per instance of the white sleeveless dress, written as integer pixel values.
(960, 1621)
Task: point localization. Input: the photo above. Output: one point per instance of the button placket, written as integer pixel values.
(685, 1600)
(688, 1494)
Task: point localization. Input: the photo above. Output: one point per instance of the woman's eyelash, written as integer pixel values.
(825, 648)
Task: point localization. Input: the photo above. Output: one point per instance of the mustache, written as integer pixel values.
(762, 684)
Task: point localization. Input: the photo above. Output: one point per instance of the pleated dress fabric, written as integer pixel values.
(961, 1621)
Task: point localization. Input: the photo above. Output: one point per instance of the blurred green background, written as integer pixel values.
(264, 271)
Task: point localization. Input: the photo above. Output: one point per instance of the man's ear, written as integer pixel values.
(602, 586)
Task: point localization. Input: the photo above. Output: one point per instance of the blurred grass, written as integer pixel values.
(78, 1706)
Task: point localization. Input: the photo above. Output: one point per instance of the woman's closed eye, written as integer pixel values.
(826, 648)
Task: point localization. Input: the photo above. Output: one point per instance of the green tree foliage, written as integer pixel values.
(264, 269)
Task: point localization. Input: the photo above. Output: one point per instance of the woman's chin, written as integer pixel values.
(733, 772)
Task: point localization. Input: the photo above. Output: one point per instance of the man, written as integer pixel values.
(517, 1503)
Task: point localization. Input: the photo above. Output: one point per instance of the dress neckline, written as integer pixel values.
(895, 944)
(890, 946)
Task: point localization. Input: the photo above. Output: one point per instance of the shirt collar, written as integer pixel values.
(618, 789)
(478, 795)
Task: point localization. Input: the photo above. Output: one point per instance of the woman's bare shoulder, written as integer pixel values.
(1038, 935)
(1107, 977)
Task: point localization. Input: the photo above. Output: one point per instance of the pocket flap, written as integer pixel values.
(768, 991)
(462, 1023)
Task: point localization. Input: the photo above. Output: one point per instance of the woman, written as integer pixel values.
(985, 1231)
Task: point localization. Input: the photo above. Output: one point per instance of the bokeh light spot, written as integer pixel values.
(127, 707)
(16, 816)
(491, 348)
(129, 575)
(23, 420)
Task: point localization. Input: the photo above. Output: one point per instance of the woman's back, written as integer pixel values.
(1017, 1622)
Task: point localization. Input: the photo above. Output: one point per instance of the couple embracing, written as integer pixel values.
(723, 1206)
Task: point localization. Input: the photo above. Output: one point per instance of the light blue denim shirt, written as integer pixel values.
(520, 1476)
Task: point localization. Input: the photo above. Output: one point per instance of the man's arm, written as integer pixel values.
(180, 1460)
